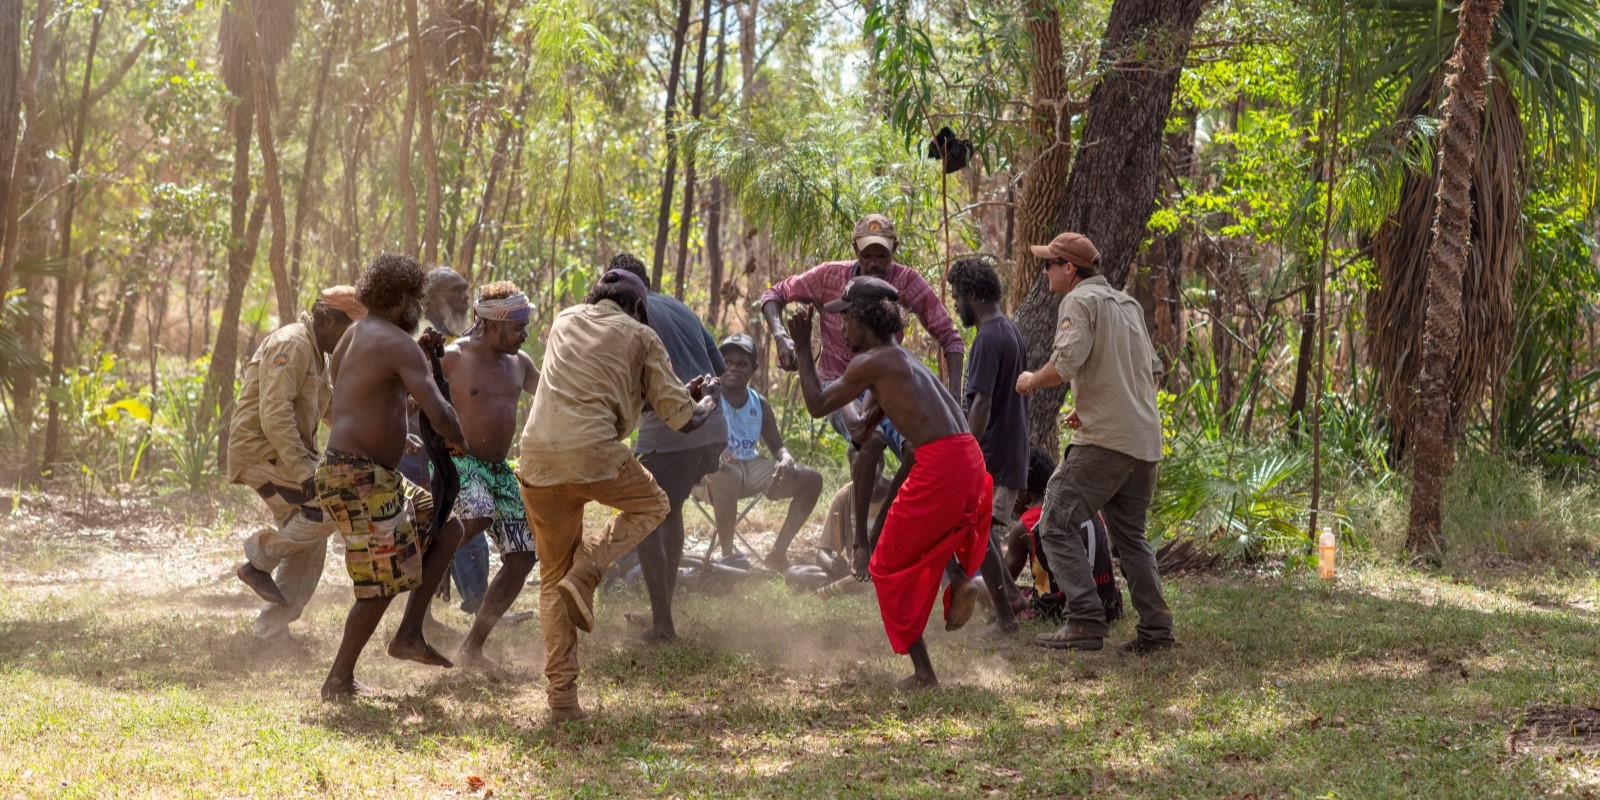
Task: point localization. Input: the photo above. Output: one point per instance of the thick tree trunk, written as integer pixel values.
(261, 89)
(61, 348)
(19, 167)
(218, 390)
(1112, 186)
(664, 215)
(1459, 132)
(686, 218)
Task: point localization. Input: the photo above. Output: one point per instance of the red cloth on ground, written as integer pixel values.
(942, 510)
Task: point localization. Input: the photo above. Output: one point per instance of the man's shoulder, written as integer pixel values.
(904, 277)
(295, 334)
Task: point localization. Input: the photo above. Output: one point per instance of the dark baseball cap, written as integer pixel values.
(740, 341)
(863, 288)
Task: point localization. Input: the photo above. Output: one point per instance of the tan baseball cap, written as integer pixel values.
(343, 298)
(875, 229)
(1074, 248)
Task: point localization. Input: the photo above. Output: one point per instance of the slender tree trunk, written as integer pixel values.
(686, 219)
(408, 186)
(423, 104)
(261, 89)
(218, 390)
(497, 164)
(18, 167)
(310, 178)
(60, 351)
(1111, 189)
(10, 105)
(664, 215)
(1459, 133)
(713, 245)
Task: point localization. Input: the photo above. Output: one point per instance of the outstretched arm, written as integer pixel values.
(773, 311)
(823, 400)
(530, 373)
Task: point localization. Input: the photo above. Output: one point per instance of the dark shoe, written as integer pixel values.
(1140, 647)
(577, 592)
(561, 716)
(1068, 639)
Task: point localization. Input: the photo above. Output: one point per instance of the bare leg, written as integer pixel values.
(408, 642)
(725, 508)
(659, 556)
(922, 677)
(503, 591)
(807, 489)
(1005, 619)
(362, 620)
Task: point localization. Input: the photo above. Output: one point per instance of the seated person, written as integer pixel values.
(1022, 543)
(744, 473)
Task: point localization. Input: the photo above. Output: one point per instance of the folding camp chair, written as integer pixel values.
(711, 517)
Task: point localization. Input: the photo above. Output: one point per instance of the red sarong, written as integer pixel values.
(942, 510)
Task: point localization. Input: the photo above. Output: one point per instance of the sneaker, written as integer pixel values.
(1140, 647)
(1068, 639)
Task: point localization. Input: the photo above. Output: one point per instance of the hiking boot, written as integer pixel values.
(561, 716)
(577, 593)
(1067, 638)
(1140, 647)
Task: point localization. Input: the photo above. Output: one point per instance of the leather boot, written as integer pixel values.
(577, 592)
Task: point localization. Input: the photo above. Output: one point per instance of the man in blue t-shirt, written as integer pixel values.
(744, 473)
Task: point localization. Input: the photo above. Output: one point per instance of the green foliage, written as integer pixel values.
(188, 447)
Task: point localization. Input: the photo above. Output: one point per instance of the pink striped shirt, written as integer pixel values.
(825, 283)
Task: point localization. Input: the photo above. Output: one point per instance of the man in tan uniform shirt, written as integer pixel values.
(272, 448)
(1101, 346)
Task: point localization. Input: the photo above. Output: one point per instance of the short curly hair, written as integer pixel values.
(499, 290)
(880, 315)
(976, 279)
(630, 263)
(1040, 467)
(389, 281)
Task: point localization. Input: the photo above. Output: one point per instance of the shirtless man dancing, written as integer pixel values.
(943, 508)
(488, 373)
(381, 515)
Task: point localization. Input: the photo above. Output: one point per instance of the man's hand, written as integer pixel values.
(785, 466)
(413, 443)
(1025, 383)
(799, 326)
(1072, 419)
(702, 386)
(860, 556)
(787, 361)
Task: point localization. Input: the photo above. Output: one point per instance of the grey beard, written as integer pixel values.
(456, 324)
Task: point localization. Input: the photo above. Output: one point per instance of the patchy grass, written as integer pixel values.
(127, 669)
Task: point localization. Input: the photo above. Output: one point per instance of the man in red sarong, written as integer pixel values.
(943, 508)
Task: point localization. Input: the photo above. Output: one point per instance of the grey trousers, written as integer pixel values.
(1093, 478)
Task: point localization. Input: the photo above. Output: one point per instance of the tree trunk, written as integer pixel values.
(261, 89)
(19, 166)
(497, 164)
(1459, 132)
(664, 215)
(408, 187)
(686, 219)
(713, 245)
(218, 389)
(309, 176)
(10, 105)
(61, 347)
(423, 105)
(1111, 189)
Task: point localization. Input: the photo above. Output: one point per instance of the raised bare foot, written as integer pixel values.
(655, 636)
(261, 583)
(418, 650)
(963, 598)
(561, 716)
(474, 659)
(336, 689)
(916, 682)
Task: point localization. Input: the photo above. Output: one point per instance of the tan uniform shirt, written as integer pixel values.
(1102, 347)
(600, 368)
(285, 395)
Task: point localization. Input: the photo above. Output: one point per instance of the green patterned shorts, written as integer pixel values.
(489, 490)
(382, 517)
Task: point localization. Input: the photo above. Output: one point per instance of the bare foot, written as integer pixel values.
(474, 660)
(963, 599)
(418, 650)
(518, 618)
(560, 716)
(777, 562)
(916, 682)
(335, 690)
(261, 583)
(656, 636)
(995, 630)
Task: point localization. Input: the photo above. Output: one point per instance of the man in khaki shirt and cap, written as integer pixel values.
(272, 448)
(1101, 346)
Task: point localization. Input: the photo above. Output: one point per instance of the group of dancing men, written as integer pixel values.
(628, 359)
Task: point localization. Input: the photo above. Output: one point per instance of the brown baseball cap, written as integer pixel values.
(875, 229)
(865, 287)
(1074, 248)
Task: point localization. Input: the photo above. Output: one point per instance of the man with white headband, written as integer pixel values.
(488, 373)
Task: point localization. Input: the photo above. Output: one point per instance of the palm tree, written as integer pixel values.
(1459, 136)
(1544, 90)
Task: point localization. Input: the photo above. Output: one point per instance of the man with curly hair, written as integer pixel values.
(942, 511)
(996, 414)
(381, 515)
(489, 373)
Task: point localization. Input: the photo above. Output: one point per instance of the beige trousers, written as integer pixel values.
(293, 552)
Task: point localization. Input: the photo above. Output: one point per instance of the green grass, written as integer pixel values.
(145, 682)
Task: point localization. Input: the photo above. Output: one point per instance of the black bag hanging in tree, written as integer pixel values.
(446, 484)
(953, 152)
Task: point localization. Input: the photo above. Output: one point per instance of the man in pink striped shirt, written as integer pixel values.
(875, 243)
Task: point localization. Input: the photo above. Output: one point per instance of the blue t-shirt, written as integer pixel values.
(744, 426)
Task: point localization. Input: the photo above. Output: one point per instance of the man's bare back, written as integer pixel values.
(374, 368)
(485, 385)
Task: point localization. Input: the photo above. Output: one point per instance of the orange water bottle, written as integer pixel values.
(1327, 552)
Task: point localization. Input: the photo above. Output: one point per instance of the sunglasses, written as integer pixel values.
(1047, 263)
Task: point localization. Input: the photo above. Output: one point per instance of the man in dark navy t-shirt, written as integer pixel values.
(996, 413)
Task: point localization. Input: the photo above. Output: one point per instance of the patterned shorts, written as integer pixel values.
(382, 517)
(489, 490)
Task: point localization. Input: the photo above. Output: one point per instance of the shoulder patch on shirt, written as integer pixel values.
(1066, 323)
(280, 361)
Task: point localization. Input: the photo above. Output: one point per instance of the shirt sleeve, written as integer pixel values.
(924, 302)
(662, 389)
(718, 366)
(983, 368)
(282, 370)
(1074, 337)
(792, 288)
